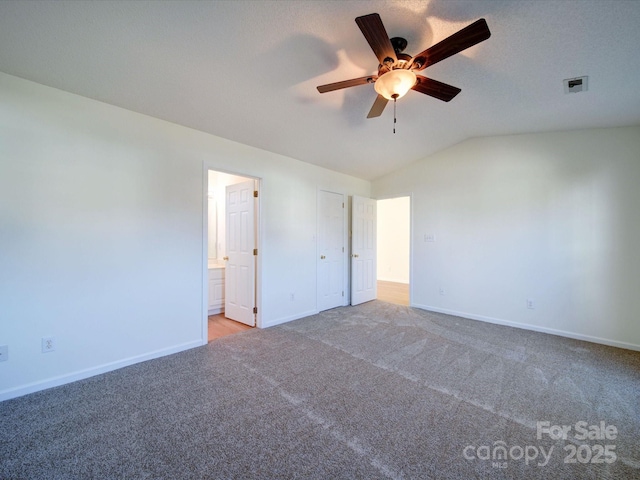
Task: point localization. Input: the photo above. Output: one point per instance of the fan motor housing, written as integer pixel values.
(399, 44)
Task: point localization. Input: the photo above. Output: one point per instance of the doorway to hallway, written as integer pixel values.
(394, 250)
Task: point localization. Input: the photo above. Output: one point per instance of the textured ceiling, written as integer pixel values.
(247, 70)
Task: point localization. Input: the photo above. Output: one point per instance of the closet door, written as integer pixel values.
(331, 250)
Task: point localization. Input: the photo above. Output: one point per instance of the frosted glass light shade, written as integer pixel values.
(395, 82)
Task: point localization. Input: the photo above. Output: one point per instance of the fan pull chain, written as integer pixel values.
(394, 114)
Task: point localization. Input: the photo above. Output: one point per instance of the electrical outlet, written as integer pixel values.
(443, 291)
(293, 297)
(4, 353)
(530, 304)
(48, 344)
(429, 237)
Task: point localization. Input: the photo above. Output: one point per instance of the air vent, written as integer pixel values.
(575, 85)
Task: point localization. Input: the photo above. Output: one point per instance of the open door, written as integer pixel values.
(363, 250)
(240, 271)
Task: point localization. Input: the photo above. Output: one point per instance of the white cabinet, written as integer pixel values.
(216, 290)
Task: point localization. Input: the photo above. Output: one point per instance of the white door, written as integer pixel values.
(240, 271)
(331, 253)
(363, 250)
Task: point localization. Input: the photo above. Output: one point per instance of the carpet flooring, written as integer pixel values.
(367, 392)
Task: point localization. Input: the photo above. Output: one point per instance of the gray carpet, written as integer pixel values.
(374, 391)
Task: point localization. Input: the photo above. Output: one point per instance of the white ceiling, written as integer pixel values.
(247, 70)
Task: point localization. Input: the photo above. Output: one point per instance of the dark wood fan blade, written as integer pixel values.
(378, 107)
(375, 33)
(330, 87)
(435, 89)
(469, 36)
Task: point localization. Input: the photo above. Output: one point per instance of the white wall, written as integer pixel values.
(393, 236)
(101, 234)
(552, 217)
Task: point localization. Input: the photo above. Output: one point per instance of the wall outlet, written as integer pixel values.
(48, 344)
(443, 291)
(4, 353)
(292, 297)
(530, 304)
(429, 237)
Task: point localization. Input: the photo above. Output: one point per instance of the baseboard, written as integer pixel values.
(535, 328)
(90, 372)
(280, 321)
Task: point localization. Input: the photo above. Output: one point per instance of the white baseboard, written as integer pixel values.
(535, 328)
(90, 372)
(280, 321)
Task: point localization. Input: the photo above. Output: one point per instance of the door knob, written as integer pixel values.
(225, 258)
(322, 257)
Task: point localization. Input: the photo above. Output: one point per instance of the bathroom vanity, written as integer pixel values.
(216, 288)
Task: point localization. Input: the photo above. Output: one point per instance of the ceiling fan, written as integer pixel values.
(396, 70)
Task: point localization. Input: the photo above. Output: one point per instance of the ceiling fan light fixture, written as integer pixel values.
(395, 83)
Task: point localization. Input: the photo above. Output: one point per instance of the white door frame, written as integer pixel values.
(411, 242)
(206, 166)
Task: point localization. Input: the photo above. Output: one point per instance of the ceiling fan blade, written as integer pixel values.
(435, 89)
(375, 33)
(330, 87)
(378, 107)
(469, 36)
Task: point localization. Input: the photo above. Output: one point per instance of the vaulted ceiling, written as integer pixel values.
(248, 70)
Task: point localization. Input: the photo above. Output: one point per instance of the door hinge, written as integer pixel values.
(255, 310)
(342, 204)
(255, 251)
(343, 293)
(255, 193)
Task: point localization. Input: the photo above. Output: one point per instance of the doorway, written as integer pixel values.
(394, 250)
(231, 240)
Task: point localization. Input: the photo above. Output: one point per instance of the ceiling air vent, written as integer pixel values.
(575, 85)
